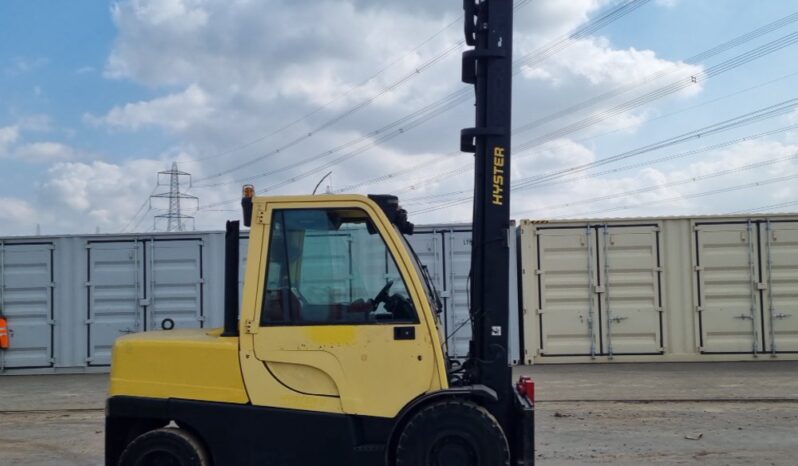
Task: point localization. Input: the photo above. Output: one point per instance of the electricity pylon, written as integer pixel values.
(175, 218)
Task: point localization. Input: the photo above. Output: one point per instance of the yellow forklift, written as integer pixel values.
(335, 355)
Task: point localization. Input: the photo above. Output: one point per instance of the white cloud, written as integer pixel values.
(174, 112)
(85, 70)
(245, 68)
(8, 136)
(668, 3)
(23, 65)
(44, 152)
(18, 216)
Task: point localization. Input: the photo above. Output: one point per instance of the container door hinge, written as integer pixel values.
(699, 309)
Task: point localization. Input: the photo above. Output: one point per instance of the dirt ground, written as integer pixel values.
(709, 414)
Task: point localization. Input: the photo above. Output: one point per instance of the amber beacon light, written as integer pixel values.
(247, 193)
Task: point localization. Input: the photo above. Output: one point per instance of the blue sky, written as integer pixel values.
(96, 97)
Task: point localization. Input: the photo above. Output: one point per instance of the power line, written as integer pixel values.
(669, 89)
(648, 189)
(765, 207)
(771, 111)
(570, 179)
(695, 59)
(453, 98)
(342, 95)
(713, 192)
(140, 209)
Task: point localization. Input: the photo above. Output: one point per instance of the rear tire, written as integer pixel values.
(452, 433)
(165, 447)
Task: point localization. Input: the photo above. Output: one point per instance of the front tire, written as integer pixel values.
(452, 433)
(165, 447)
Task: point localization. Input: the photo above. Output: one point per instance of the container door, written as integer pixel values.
(567, 287)
(630, 291)
(175, 284)
(780, 270)
(727, 271)
(457, 264)
(116, 293)
(26, 299)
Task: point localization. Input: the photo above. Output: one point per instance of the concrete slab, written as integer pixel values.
(53, 392)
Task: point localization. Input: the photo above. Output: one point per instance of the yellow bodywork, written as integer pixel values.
(346, 369)
(189, 364)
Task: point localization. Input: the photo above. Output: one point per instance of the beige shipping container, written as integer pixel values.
(660, 289)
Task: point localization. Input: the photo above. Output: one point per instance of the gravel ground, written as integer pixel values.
(709, 414)
(569, 433)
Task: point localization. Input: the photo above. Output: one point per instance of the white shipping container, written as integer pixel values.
(660, 289)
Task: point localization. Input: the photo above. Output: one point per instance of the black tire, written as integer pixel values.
(165, 447)
(452, 433)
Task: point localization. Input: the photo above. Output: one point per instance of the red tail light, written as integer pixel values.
(526, 387)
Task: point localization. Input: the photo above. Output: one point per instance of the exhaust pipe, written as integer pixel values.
(231, 238)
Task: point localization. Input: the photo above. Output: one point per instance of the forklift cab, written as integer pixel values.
(335, 314)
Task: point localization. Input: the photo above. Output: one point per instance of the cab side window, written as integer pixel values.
(331, 266)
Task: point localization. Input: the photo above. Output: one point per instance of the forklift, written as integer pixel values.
(336, 354)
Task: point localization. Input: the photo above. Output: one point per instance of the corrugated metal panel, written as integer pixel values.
(629, 268)
(174, 272)
(116, 292)
(427, 245)
(446, 251)
(26, 290)
(780, 270)
(457, 264)
(728, 282)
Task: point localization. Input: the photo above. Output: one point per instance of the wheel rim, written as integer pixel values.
(453, 450)
(159, 458)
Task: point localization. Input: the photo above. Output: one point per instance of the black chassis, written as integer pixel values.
(242, 434)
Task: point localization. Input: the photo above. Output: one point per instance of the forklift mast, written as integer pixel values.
(488, 66)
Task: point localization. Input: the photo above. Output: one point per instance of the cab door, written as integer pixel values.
(339, 325)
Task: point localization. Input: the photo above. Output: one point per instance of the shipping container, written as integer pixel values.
(67, 298)
(446, 250)
(660, 289)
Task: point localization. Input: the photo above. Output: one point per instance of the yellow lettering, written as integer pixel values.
(498, 176)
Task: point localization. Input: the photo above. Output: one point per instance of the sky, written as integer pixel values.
(667, 107)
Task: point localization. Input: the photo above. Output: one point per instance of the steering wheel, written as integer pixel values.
(382, 296)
